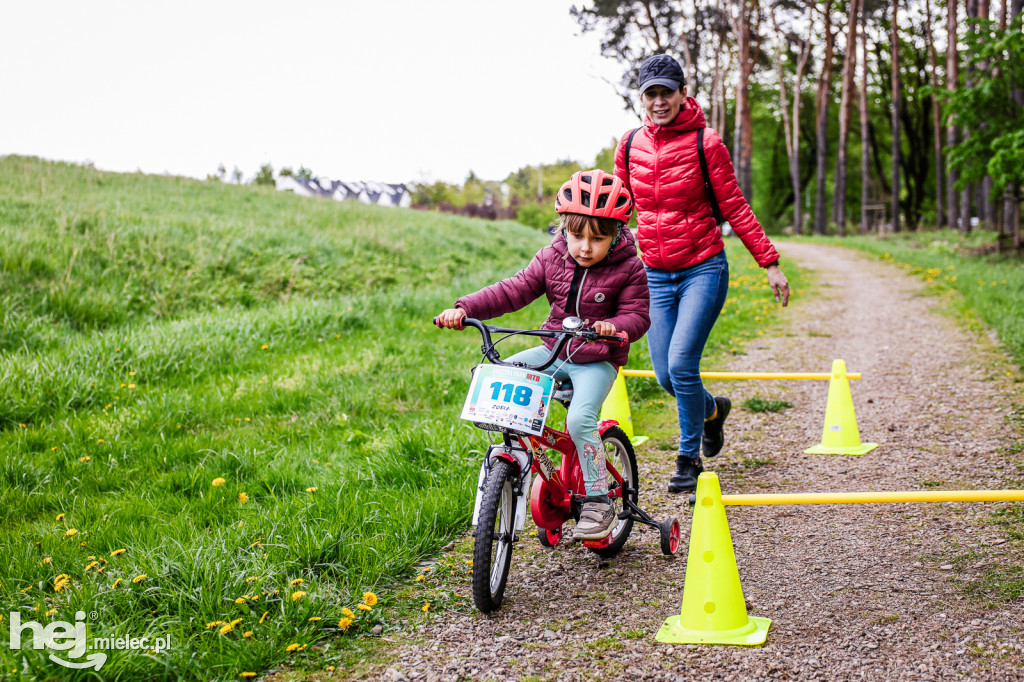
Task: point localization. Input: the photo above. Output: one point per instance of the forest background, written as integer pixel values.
(852, 115)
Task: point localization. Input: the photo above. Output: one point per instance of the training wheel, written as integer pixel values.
(549, 537)
(670, 535)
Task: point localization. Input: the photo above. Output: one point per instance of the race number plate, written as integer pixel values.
(510, 398)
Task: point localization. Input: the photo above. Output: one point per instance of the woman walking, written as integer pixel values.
(683, 251)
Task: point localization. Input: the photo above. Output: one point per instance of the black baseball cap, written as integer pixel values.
(661, 69)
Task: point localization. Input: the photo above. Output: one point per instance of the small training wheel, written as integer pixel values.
(549, 537)
(670, 535)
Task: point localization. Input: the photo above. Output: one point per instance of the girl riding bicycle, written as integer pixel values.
(590, 270)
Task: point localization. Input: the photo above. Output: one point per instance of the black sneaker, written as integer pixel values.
(685, 478)
(714, 438)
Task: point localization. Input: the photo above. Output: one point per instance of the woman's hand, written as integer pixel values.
(451, 318)
(779, 284)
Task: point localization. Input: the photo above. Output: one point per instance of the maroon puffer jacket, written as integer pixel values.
(676, 227)
(614, 290)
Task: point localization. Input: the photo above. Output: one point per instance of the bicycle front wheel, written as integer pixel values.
(495, 532)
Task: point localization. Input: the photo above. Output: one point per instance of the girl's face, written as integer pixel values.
(588, 248)
(661, 104)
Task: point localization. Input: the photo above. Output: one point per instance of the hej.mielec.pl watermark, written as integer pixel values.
(61, 636)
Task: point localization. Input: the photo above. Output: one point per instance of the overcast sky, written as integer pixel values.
(383, 90)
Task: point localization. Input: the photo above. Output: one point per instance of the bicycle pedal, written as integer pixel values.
(624, 514)
(597, 544)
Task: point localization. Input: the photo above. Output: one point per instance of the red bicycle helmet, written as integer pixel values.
(595, 193)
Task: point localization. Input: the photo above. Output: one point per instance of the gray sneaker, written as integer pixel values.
(597, 519)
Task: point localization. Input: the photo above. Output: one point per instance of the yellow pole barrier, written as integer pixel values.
(815, 376)
(884, 496)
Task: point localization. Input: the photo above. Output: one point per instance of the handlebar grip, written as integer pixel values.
(619, 338)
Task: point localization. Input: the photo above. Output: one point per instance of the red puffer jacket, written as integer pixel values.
(614, 290)
(676, 227)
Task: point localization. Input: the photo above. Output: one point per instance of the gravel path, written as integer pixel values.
(876, 592)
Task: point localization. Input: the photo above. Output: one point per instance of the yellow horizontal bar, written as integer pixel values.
(747, 375)
(885, 496)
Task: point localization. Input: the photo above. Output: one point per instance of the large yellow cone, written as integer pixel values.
(713, 611)
(840, 435)
(616, 406)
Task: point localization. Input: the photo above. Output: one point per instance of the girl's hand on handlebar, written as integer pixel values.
(451, 318)
(605, 328)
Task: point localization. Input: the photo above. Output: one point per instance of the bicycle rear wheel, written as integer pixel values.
(495, 531)
(618, 452)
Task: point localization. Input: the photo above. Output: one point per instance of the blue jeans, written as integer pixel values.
(684, 306)
(591, 382)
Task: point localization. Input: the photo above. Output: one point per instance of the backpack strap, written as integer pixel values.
(629, 145)
(715, 210)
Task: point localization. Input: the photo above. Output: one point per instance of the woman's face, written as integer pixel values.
(661, 104)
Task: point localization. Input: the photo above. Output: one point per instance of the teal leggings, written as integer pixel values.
(591, 382)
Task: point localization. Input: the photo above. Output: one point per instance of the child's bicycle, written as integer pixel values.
(512, 399)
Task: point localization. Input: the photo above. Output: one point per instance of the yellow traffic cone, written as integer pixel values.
(616, 406)
(840, 435)
(713, 611)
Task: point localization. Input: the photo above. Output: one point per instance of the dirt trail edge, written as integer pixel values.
(877, 592)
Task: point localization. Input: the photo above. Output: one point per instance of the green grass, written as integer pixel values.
(759, 404)
(161, 333)
(158, 334)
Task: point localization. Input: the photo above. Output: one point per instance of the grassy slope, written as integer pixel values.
(158, 333)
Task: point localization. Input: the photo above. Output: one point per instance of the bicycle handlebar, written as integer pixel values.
(562, 335)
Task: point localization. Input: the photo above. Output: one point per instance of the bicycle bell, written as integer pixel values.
(572, 324)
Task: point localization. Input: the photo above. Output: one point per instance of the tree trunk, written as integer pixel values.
(743, 154)
(822, 100)
(845, 110)
(865, 141)
(967, 194)
(952, 83)
(895, 117)
(940, 213)
(791, 125)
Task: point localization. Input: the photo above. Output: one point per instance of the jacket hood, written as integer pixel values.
(690, 117)
(626, 248)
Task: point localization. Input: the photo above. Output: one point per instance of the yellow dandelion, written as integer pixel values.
(50, 612)
(131, 374)
(243, 498)
(370, 598)
(214, 624)
(60, 517)
(217, 482)
(117, 583)
(45, 561)
(247, 634)
(247, 674)
(139, 578)
(347, 612)
(91, 564)
(131, 386)
(297, 595)
(315, 619)
(250, 579)
(344, 623)
(227, 628)
(86, 458)
(421, 576)
(426, 606)
(69, 532)
(294, 647)
(265, 613)
(264, 347)
(297, 581)
(54, 448)
(330, 668)
(240, 600)
(364, 607)
(81, 544)
(312, 490)
(117, 552)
